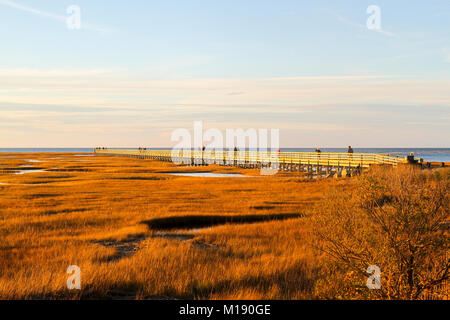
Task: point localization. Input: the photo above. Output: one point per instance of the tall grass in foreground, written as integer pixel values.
(396, 219)
(95, 214)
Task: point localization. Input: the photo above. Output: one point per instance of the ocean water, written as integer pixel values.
(59, 150)
(428, 154)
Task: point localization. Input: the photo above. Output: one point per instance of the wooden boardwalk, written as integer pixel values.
(328, 164)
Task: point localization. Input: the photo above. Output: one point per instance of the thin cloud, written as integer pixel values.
(56, 73)
(49, 15)
(344, 77)
(235, 93)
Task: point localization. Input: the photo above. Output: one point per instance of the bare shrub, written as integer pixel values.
(394, 218)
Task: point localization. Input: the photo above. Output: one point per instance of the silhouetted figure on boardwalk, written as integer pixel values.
(318, 150)
(203, 159)
(349, 150)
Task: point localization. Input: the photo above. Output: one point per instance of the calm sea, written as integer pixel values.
(32, 150)
(428, 154)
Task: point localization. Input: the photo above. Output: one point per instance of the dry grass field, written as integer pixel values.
(99, 213)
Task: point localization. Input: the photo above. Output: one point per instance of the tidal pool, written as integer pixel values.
(28, 171)
(208, 174)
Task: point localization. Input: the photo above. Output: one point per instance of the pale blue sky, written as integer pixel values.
(139, 69)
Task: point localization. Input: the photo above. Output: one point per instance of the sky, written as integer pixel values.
(138, 70)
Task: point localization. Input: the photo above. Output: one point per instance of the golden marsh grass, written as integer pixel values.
(90, 213)
(94, 212)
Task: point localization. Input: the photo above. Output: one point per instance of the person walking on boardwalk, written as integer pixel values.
(203, 154)
(350, 152)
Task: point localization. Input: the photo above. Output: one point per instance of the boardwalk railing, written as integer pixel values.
(286, 161)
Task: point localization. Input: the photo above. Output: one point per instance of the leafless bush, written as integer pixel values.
(394, 218)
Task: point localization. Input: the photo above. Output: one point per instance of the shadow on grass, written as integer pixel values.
(53, 212)
(69, 170)
(140, 178)
(263, 207)
(41, 196)
(55, 177)
(203, 221)
(298, 279)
